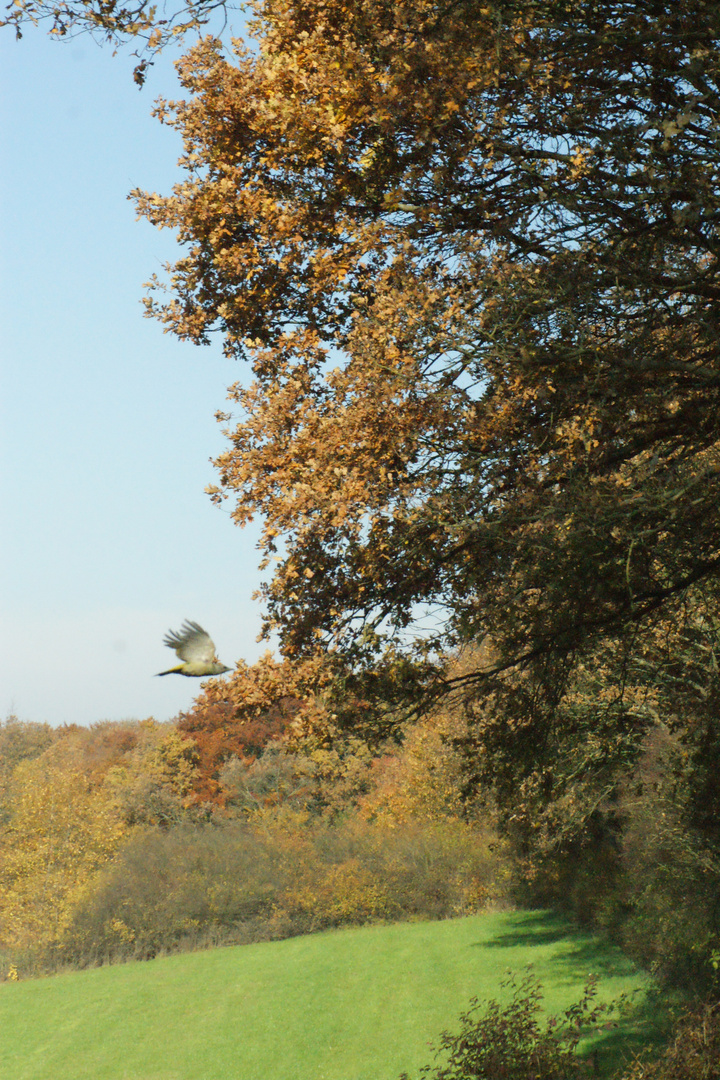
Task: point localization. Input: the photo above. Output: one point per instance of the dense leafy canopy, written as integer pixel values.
(471, 253)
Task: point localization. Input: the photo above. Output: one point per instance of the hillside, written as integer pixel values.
(355, 1004)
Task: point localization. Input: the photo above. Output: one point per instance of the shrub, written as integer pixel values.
(644, 875)
(508, 1043)
(693, 1054)
(279, 875)
(166, 888)
(343, 894)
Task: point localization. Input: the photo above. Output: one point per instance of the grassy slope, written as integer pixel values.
(358, 1004)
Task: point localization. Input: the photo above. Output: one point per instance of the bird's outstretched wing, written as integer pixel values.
(192, 644)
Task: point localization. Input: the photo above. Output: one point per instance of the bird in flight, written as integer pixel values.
(196, 649)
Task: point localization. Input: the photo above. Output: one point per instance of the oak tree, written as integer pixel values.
(470, 253)
(468, 256)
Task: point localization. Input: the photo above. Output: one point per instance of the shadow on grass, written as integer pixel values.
(645, 1018)
(644, 1026)
(584, 953)
(530, 930)
(611, 1054)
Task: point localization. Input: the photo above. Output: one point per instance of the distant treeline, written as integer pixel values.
(111, 848)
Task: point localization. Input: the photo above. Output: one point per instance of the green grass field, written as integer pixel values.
(357, 1004)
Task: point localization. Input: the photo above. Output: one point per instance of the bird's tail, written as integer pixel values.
(171, 671)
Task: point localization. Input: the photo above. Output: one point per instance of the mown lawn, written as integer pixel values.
(357, 1004)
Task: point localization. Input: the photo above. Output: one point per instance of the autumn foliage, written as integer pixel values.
(468, 257)
(237, 721)
(114, 845)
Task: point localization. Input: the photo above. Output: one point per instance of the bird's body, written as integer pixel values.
(196, 649)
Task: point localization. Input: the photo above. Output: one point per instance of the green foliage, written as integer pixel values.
(634, 848)
(508, 1042)
(692, 1054)
(663, 900)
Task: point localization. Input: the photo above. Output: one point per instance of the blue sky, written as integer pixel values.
(106, 424)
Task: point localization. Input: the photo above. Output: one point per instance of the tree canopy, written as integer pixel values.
(110, 22)
(470, 251)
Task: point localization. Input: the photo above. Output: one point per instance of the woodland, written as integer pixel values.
(467, 256)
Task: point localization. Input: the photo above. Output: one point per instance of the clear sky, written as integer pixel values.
(107, 424)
